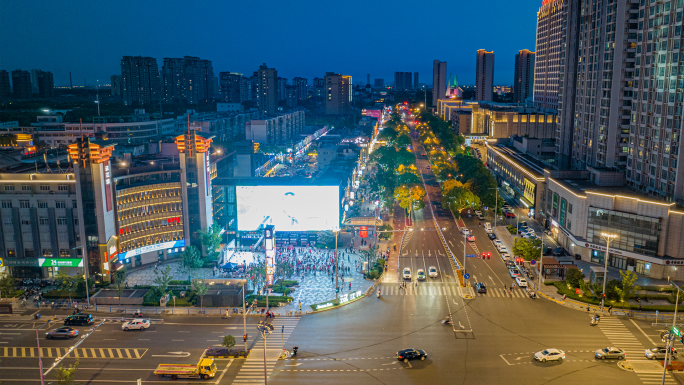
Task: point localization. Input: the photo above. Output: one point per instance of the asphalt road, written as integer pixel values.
(492, 341)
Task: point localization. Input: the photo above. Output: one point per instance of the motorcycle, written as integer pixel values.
(446, 321)
(378, 294)
(594, 321)
(294, 350)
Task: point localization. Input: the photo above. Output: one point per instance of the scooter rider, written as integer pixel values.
(378, 293)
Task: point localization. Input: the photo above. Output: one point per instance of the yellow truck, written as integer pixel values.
(204, 369)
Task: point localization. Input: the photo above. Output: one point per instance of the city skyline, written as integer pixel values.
(164, 36)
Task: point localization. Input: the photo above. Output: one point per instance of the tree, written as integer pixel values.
(69, 284)
(386, 227)
(211, 240)
(228, 341)
(410, 197)
(459, 198)
(202, 287)
(403, 141)
(120, 283)
(527, 249)
(162, 279)
(626, 289)
(7, 285)
(65, 376)
(573, 277)
(326, 239)
(191, 260)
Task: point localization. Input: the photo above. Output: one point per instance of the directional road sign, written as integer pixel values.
(471, 255)
(466, 276)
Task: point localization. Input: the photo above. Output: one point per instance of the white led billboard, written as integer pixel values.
(288, 208)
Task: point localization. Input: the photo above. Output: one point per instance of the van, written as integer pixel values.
(79, 319)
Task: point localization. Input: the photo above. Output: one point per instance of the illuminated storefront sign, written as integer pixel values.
(149, 248)
(60, 262)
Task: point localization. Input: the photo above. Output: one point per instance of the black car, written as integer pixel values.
(63, 332)
(481, 288)
(558, 251)
(491, 236)
(411, 354)
(548, 251)
(79, 319)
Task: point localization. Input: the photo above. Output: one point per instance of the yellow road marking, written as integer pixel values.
(102, 353)
(49, 352)
(128, 353)
(136, 353)
(111, 353)
(92, 352)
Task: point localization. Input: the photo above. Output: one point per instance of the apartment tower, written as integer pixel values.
(484, 76)
(523, 82)
(439, 81)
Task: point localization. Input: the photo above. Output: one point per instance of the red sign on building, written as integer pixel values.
(363, 233)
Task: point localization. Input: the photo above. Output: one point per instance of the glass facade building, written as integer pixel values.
(635, 233)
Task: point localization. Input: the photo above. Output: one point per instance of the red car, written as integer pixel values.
(510, 214)
(470, 238)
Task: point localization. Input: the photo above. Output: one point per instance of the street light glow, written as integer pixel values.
(608, 235)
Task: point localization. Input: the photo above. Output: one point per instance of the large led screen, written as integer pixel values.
(288, 208)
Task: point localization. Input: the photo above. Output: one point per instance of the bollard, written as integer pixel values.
(188, 310)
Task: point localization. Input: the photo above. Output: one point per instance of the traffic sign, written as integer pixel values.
(533, 262)
(466, 276)
(675, 330)
(471, 255)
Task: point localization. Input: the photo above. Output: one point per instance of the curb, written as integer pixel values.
(624, 365)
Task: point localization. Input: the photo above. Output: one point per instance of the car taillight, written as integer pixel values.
(73, 332)
(400, 357)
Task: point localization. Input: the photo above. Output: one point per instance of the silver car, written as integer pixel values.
(658, 353)
(607, 353)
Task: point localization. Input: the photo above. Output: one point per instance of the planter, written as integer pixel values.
(227, 353)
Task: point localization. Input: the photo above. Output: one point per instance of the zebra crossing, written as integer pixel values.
(437, 290)
(620, 337)
(252, 370)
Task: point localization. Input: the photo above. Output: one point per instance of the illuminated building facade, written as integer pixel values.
(551, 40)
(337, 94)
(484, 76)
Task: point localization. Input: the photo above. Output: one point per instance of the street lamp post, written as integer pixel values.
(670, 338)
(244, 313)
(608, 238)
(337, 286)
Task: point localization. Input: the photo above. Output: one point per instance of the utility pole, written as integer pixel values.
(671, 337)
(337, 286)
(606, 237)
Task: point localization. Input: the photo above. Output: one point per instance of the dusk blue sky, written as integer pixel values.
(297, 37)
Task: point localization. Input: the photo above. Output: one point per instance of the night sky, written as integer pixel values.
(298, 37)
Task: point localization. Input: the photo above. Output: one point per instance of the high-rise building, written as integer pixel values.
(188, 80)
(484, 76)
(139, 80)
(292, 95)
(267, 90)
(415, 80)
(231, 85)
(246, 89)
(566, 58)
(337, 94)
(282, 89)
(403, 81)
(21, 84)
(439, 81)
(368, 79)
(115, 81)
(301, 84)
(34, 81)
(319, 88)
(379, 83)
(551, 40)
(46, 84)
(523, 82)
(5, 89)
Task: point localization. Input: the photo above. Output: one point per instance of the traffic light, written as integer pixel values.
(603, 295)
(681, 339)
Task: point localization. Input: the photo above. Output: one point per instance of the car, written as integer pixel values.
(497, 242)
(514, 273)
(427, 167)
(480, 287)
(549, 355)
(522, 224)
(63, 332)
(470, 238)
(522, 282)
(510, 264)
(486, 255)
(605, 353)
(481, 217)
(658, 353)
(487, 224)
(424, 154)
(478, 212)
(509, 214)
(432, 272)
(136, 324)
(491, 236)
(548, 251)
(420, 274)
(411, 354)
(488, 230)
(407, 273)
(558, 251)
(505, 256)
(79, 319)
(465, 231)
(503, 250)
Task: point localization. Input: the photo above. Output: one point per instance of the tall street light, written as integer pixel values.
(337, 267)
(608, 238)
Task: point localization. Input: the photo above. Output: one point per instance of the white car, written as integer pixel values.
(497, 243)
(478, 212)
(407, 273)
(522, 282)
(488, 229)
(136, 324)
(432, 272)
(505, 256)
(502, 249)
(550, 355)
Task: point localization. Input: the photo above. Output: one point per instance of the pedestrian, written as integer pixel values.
(610, 309)
(349, 285)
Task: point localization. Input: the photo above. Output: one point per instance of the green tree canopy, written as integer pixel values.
(458, 199)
